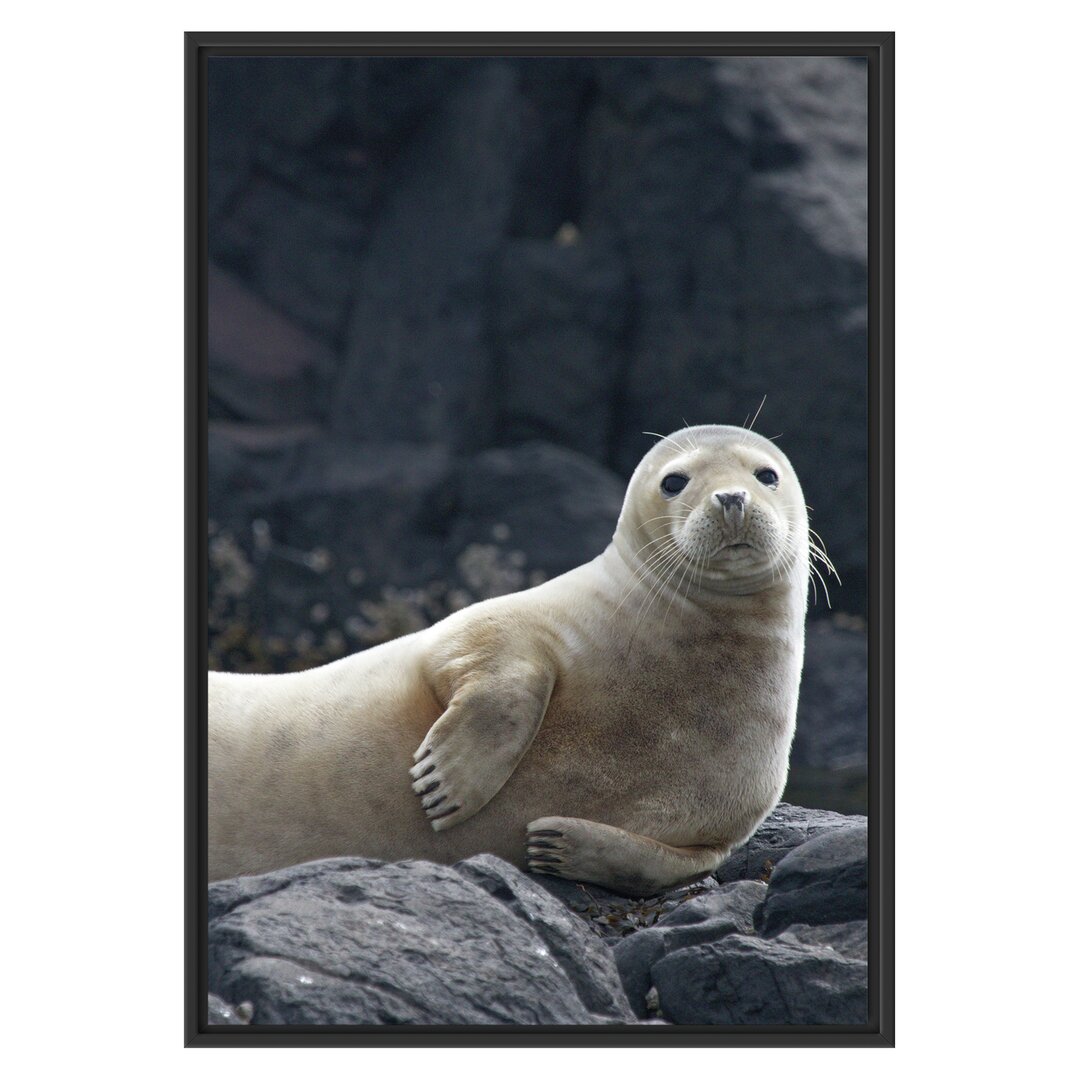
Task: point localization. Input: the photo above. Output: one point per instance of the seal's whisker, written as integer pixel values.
(655, 556)
(787, 558)
(817, 543)
(792, 549)
(675, 593)
(819, 554)
(666, 574)
(646, 605)
(821, 557)
(673, 569)
(815, 572)
(669, 517)
(669, 439)
(777, 565)
(705, 781)
(649, 543)
(649, 565)
(700, 559)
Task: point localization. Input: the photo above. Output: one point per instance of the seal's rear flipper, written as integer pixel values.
(614, 858)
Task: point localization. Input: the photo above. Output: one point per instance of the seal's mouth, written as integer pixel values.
(737, 547)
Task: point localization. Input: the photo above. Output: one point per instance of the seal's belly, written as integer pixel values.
(705, 771)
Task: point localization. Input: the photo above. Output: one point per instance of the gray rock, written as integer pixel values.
(531, 495)
(711, 218)
(297, 252)
(596, 984)
(417, 365)
(315, 529)
(262, 368)
(736, 189)
(832, 725)
(560, 310)
(749, 980)
(301, 151)
(812, 111)
(829, 754)
(352, 941)
(784, 829)
(734, 903)
(322, 525)
(850, 939)
(728, 909)
(821, 882)
(221, 1012)
(613, 916)
(475, 253)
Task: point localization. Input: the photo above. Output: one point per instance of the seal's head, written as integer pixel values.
(718, 508)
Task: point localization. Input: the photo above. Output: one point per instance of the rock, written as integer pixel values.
(560, 310)
(748, 980)
(807, 118)
(321, 526)
(810, 965)
(417, 366)
(359, 941)
(554, 98)
(481, 252)
(556, 507)
(613, 916)
(596, 984)
(352, 941)
(783, 830)
(296, 252)
(221, 1012)
(831, 731)
(829, 755)
(728, 909)
(732, 904)
(301, 151)
(823, 881)
(744, 232)
(850, 939)
(262, 368)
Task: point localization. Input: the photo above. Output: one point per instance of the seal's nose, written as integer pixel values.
(731, 500)
(733, 505)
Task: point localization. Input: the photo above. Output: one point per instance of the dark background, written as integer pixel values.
(448, 296)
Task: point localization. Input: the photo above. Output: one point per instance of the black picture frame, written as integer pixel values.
(878, 49)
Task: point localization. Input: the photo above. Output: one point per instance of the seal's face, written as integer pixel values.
(720, 506)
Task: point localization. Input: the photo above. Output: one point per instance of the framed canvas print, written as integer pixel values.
(539, 508)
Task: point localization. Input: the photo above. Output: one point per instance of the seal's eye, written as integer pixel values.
(673, 483)
(768, 477)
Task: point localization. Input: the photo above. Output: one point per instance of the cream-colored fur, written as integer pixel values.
(626, 723)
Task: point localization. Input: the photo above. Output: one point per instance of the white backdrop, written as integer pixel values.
(92, 598)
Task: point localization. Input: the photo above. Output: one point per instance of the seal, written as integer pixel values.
(627, 723)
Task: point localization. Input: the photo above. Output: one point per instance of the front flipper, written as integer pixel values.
(621, 861)
(471, 750)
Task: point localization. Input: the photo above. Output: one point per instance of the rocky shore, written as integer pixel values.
(777, 936)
